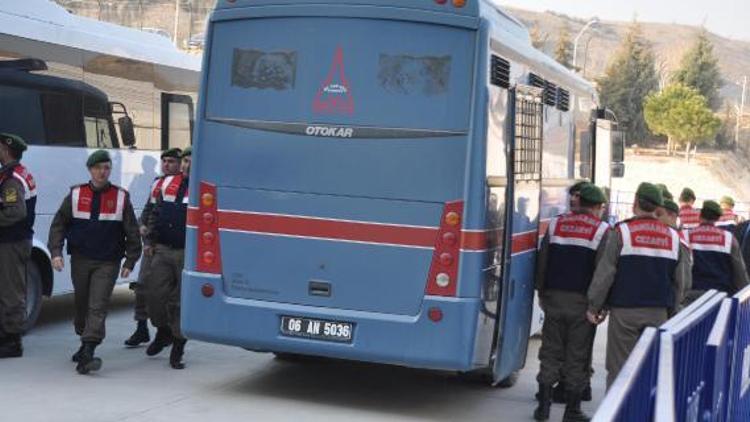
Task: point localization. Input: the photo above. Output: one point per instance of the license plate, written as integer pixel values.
(317, 329)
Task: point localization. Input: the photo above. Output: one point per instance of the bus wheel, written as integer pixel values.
(510, 381)
(33, 294)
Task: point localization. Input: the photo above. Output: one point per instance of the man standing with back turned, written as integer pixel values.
(640, 277)
(718, 260)
(565, 265)
(17, 203)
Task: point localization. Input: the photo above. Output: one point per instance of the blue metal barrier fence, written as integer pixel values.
(632, 395)
(682, 361)
(738, 408)
(626, 400)
(696, 367)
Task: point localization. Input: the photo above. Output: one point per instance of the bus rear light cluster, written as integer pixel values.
(456, 3)
(443, 275)
(209, 258)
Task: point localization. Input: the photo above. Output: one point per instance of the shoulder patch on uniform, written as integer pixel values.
(10, 196)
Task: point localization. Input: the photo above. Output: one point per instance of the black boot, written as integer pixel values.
(573, 412)
(77, 355)
(558, 394)
(86, 360)
(545, 401)
(162, 339)
(11, 346)
(139, 336)
(586, 393)
(175, 356)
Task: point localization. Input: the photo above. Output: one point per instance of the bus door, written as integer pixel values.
(609, 152)
(521, 238)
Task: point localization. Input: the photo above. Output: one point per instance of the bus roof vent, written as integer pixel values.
(536, 81)
(550, 93)
(563, 99)
(27, 65)
(500, 72)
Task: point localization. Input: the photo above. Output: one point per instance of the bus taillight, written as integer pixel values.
(209, 258)
(459, 3)
(443, 276)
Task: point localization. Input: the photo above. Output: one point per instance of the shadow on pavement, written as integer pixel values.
(443, 395)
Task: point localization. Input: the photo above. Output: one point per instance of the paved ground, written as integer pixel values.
(227, 384)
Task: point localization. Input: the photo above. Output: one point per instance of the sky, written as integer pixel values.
(729, 18)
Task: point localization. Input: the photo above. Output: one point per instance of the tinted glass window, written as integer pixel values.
(179, 125)
(62, 119)
(21, 113)
(333, 70)
(98, 133)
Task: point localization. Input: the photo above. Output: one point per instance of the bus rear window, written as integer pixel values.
(333, 70)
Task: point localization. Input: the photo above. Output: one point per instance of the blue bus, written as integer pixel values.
(371, 178)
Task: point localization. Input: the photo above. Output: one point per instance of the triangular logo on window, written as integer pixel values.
(335, 96)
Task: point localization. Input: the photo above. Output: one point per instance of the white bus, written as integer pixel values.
(69, 85)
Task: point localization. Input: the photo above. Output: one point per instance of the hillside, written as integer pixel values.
(670, 41)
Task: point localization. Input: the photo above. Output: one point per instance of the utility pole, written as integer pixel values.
(176, 20)
(740, 112)
(589, 24)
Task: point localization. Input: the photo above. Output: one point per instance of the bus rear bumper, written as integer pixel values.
(413, 341)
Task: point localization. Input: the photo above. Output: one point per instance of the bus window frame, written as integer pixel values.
(167, 99)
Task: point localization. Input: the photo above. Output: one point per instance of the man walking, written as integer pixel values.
(170, 165)
(565, 265)
(17, 213)
(640, 277)
(718, 263)
(98, 222)
(166, 231)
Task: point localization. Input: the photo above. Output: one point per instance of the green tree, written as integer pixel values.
(682, 114)
(699, 69)
(564, 48)
(629, 78)
(538, 37)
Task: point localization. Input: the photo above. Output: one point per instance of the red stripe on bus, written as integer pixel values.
(356, 231)
(524, 242)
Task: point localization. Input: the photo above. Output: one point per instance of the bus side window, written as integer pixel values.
(97, 122)
(63, 123)
(177, 121)
(21, 113)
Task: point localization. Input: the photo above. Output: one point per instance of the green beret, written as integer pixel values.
(687, 195)
(98, 156)
(172, 153)
(576, 187)
(711, 210)
(649, 192)
(187, 152)
(727, 200)
(14, 142)
(664, 191)
(592, 194)
(672, 206)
